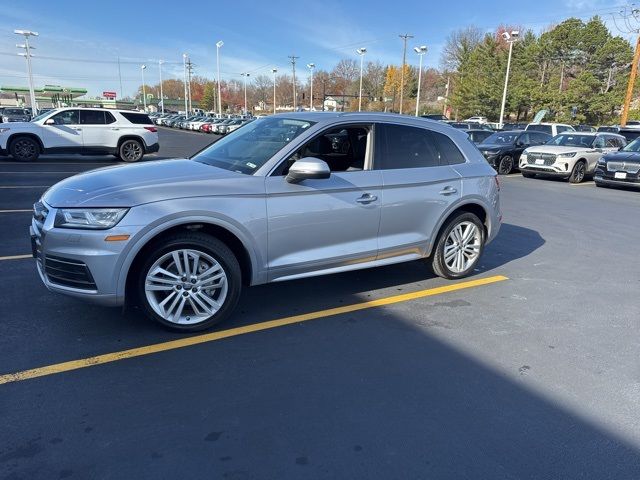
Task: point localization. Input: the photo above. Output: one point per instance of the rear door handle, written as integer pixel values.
(367, 198)
(448, 191)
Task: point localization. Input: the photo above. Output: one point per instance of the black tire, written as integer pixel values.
(579, 172)
(528, 174)
(438, 264)
(505, 165)
(130, 151)
(208, 245)
(24, 149)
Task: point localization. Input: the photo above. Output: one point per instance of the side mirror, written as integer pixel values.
(308, 168)
(49, 121)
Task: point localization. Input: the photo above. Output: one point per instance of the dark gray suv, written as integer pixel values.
(284, 197)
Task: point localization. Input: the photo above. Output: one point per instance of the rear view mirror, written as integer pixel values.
(308, 168)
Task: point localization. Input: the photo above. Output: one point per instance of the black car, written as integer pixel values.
(478, 135)
(503, 149)
(620, 168)
(630, 133)
(610, 129)
(459, 125)
(15, 115)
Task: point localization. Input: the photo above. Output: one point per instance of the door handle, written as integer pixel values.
(366, 198)
(76, 129)
(114, 128)
(448, 191)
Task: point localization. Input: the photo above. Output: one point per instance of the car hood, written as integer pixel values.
(131, 185)
(556, 149)
(630, 157)
(494, 147)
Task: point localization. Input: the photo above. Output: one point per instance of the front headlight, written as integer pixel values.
(567, 155)
(90, 218)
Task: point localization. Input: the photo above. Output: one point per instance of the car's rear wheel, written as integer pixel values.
(505, 165)
(528, 174)
(459, 246)
(578, 172)
(24, 149)
(189, 282)
(130, 151)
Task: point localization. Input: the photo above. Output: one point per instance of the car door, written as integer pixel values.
(64, 134)
(419, 186)
(330, 224)
(524, 140)
(98, 134)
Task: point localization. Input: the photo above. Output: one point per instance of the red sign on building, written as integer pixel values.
(110, 95)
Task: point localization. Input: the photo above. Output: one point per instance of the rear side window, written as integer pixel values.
(109, 118)
(411, 147)
(91, 117)
(137, 118)
(540, 128)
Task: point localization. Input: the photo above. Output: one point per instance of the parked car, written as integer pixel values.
(458, 125)
(620, 169)
(569, 155)
(477, 119)
(271, 201)
(15, 115)
(630, 133)
(478, 135)
(584, 128)
(503, 149)
(552, 129)
(513, 126)
(126, 134)
(608, 129)
(218, 127)
(435, 116)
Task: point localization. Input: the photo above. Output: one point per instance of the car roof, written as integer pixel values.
(550, 123)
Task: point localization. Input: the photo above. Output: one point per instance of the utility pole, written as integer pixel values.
(446, 97)
(160, 62)
(186, 100)
(218, 47)
(189, 72)
(274, 71)
(404, 37)
(632, 80)
(120, 78)
(293, 67)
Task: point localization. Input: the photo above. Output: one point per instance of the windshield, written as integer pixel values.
(566, 140)
(633, 146)
(248, 148)
(501, 138)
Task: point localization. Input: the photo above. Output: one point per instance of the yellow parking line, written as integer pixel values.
(17, 211)
(15, 257)
(232, 332)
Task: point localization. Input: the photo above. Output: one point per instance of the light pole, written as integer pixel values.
(160, 62)
(510, 38)
(245, 75)
(311, 66)
(274, 71)
(27, 55)
(186, 100)
(361, 52)
(421, 50)
(218, 46)
(144, 92)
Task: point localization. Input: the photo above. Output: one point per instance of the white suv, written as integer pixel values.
(86, 131)
(552, 129)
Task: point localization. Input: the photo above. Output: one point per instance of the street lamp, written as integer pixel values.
(311, 66)
(218, 46)
(160, 62)
(421, 50)
(245, 75)
(510, 38)
(144, 92)
(274, 71)
(361, 52)
(186, 105)
(26, 34)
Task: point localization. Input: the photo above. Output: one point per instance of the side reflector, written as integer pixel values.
(116, 238)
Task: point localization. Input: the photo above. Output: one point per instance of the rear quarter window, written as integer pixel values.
(137, 118)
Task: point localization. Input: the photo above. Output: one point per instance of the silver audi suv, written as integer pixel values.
(284, 197)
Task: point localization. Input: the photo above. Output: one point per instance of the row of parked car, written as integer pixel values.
(201, 123)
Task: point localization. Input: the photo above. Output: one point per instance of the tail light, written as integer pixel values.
(497, 182)
(151, 129)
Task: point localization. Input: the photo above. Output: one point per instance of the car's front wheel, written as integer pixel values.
(578, 172)
(130, 151)
(459, 246)
(505, 165)
(24, 149)
(189, 282)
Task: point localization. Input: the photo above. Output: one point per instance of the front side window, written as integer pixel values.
(247, 149)
(562, 128)
(599, 142)
(92, 117)
(402, 146)
(68, 117)
(634, 146)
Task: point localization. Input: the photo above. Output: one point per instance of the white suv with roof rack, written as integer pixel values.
(126, 134)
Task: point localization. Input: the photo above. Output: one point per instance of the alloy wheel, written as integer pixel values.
(131, 151)
(462, 247)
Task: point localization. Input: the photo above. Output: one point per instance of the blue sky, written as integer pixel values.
(258, 35)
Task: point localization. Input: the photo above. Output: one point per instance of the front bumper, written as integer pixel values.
(629, 182)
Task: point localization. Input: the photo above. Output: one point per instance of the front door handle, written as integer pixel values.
(448, 191)
(114, 128)
(367, 198)
(76, 129)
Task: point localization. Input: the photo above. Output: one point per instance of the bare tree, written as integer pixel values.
(458, 46)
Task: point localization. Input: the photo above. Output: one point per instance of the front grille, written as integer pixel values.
(67, 272)
(623, 167)
(549, 158)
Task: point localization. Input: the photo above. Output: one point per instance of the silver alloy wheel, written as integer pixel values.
(462, 247)
(131, 151)
(186, 286)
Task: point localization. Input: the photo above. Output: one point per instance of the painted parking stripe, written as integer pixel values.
(233, 332)
(15, 257)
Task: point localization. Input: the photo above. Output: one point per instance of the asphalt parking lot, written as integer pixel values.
(385, 373)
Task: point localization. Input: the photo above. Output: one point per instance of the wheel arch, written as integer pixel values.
(32, 135)
(474, 206)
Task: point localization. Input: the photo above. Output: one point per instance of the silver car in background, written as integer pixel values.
(285, 197)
